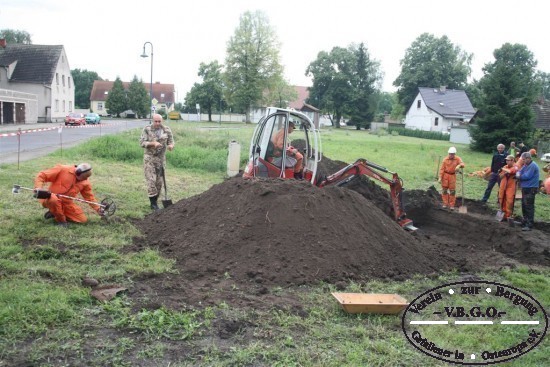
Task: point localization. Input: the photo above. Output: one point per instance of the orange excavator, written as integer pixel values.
(266, 159)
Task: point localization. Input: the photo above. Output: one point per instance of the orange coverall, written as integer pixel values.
(447, 173)
(63, 181)
(278, 142)
(507, 191)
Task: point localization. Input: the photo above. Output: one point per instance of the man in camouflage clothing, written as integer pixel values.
(155, 138)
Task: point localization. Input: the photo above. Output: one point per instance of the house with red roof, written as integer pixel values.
(164, 94)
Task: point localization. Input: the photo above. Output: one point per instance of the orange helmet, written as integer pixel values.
(533, 152)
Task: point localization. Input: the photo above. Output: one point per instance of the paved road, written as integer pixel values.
(50, 138)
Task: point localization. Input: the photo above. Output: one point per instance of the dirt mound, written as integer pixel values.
(262, 233)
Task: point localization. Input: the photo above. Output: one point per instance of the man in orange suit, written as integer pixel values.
(451, 165)
(507, 190)
(67, 181)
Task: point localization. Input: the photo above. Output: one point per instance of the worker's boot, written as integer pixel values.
(153, 200)
(48, 215)
(299, 175)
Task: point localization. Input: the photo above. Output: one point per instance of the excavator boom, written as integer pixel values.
(364, 167)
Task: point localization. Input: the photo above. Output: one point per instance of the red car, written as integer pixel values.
(75, 119)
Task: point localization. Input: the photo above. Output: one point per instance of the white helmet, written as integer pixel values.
(452, 150)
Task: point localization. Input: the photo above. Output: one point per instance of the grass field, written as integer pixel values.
(48, 319)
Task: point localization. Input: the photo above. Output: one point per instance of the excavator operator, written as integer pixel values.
(278, 142)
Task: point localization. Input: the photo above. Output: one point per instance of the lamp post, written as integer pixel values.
(151, 87)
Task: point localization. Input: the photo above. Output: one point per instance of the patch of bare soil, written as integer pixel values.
(242, 238)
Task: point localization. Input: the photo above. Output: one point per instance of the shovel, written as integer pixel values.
(462, 209)
(166, 202)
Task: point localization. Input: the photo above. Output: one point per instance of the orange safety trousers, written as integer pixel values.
(64, 209)
(448, 194)
(507, 195)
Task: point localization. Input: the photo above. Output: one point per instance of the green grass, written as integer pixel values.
(48, 318)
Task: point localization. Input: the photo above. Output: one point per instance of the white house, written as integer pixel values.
(35, 83)
(439, 109)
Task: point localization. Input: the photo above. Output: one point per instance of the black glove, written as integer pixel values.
(41, 194)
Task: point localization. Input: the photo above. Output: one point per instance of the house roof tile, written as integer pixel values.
(35, 63)
(451, 103)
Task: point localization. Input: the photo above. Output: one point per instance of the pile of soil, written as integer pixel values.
(252, 235)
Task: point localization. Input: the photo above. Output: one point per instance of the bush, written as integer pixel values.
(432, 135)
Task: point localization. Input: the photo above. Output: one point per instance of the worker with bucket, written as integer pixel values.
(155, 139)
(68, 182)
(507, 190)
(451, 165)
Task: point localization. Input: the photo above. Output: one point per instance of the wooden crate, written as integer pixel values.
(371, 302)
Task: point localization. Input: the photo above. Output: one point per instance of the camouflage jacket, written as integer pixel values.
(163, 135)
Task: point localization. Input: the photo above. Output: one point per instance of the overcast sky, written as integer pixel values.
(107, 36)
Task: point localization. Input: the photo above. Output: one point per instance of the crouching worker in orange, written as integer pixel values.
(451, 165)
(279, 141)
(507, 191)
(68, 181)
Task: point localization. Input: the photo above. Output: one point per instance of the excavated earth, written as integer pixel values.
(241, 239)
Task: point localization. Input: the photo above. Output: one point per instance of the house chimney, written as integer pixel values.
(443, 88)
(3, 42)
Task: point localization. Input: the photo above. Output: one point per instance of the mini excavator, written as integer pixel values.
(264, 162)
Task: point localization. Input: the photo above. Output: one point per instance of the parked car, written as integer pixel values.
(545, 158)
(93, 118)
(75, 119)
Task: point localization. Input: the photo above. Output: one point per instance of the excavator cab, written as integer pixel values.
(277, 133)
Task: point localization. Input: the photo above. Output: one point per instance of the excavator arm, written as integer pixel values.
(364, 167)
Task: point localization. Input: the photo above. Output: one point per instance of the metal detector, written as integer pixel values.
(107, 205)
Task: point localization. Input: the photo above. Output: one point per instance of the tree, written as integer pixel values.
(117, 101)
(431, 62)
(365, 81)
(83, 82)
(138, 98)
(344, 82)
(474, 93)
(508, 90)
(209, 93)
(252, 62)
(280, 94)
(15, 36)
(544, 84)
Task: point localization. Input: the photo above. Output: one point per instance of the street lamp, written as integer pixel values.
(151, 88)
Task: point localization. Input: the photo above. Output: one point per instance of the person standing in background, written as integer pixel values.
(498, 161)
(507, 191)
(447, 177)
(528, 177)
(155, 139)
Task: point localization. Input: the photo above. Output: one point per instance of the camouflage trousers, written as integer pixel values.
(153, 166)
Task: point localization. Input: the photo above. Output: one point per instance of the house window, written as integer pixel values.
(436, 122)
(162, 95)
(57, 105)
(63, 79)
(69, 82)
(63, 105)
(100, 106)
(57, 78)
(70, 106)
(418, 103)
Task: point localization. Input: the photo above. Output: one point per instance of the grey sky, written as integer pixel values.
(108, 36)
